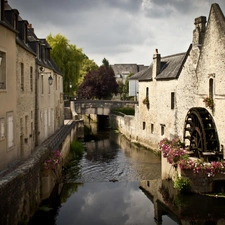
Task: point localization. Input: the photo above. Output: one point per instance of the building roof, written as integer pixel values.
(170, 68)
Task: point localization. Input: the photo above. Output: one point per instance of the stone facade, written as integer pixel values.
(31, 108)
(8, 111)
(178, 83)
(25, 120)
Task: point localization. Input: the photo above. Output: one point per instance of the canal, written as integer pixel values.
(107, 186)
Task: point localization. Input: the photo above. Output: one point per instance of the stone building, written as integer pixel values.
(8, 110)
(172, 91)
(31, 89)
(123, 70)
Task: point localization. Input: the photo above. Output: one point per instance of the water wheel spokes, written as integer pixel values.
(200, 135)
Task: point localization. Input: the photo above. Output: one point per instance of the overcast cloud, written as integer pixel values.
(122, 31)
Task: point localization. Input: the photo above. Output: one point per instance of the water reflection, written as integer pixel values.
(139, 196)
(187, 209)
(114, 158)
(106, 203)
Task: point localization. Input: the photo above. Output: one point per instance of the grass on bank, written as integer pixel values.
(124, 110)
(76, 150)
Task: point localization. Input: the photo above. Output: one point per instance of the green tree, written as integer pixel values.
(120, 87)
(105, 63)
(68, 59)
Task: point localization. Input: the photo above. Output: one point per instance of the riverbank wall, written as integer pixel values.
(126, 124)
(26, 184)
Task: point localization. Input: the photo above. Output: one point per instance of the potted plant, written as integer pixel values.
(208, 102)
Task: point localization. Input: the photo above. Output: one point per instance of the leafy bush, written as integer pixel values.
(182, 184)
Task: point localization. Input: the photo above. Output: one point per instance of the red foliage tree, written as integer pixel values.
(98, 84)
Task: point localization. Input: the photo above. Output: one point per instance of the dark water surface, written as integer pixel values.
(105, 187)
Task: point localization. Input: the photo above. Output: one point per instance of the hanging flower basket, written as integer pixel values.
(209, 103)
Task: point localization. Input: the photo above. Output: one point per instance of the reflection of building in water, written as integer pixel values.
(151, 190)
(188, 209)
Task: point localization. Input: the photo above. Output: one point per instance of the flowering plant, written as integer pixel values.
(173, 150)
(210, 168)
(175, 153)
(146, 101)
(208, 102)
(52, 161)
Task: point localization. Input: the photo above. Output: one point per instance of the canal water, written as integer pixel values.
(105, 187)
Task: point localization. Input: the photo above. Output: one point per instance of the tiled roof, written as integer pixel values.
(171, 66)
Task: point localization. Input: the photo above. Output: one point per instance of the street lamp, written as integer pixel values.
(42, 71)
(70, 85)
(50, 79)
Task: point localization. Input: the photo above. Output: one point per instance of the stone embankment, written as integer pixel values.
(24, 185)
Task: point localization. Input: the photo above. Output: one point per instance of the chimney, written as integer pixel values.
(156, 63)
(199, 31)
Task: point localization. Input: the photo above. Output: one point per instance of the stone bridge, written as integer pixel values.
(99, 107)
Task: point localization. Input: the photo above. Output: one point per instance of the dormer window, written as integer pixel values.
(25, 33)
(15, 21)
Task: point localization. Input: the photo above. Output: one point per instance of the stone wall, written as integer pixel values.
(22, 189)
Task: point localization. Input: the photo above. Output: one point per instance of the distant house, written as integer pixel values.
(177, 87)
(31, 89)
(123, 70)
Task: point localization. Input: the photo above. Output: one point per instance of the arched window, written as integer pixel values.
(211, 88)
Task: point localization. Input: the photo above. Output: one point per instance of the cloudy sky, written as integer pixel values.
(122, 31)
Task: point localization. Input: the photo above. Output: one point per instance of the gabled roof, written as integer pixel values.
(219, 17)
(170, 68)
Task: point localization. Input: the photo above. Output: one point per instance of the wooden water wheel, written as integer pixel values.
(200, 134)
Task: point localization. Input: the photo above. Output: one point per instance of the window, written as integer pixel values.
(172, 100)
(152, 128)
(144, 125)
(2, 129)
(49, 89)
(21, 76)
(49, 116)
(56, 82)
(15, 21)
(147, 92)
(2, 70)
(162, 129)
(211, 88)
(26, 126)
(10, 130)
(31, 129)
(42, 84)
(1, 10)
(21, 126)
(31, 78)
